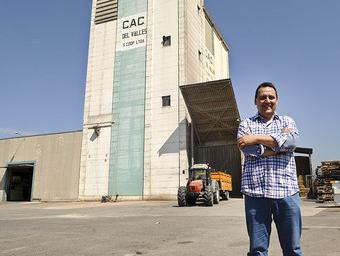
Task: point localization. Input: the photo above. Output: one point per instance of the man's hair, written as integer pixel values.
(265, 84)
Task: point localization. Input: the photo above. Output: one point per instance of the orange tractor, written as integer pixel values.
(204, 184)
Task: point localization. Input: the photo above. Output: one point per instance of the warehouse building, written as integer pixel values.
(158, 98)
(41, 167)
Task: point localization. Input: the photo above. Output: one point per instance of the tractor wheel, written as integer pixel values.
(217, 195)
(181, 196)
(225, 195)
(208, 196)
(191, 200)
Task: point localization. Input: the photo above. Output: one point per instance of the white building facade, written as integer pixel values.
(135, 132)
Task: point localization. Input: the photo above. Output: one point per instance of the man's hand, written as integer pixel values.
(269, 152)
(246, 140)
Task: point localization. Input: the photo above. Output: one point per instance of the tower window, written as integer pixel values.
(166, 101)
(166, 41)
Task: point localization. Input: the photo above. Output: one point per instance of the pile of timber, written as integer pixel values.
(303, 190)
(324, 190)
(330, 169)
(328, 172)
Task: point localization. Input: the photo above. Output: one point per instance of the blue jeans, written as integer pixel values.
(287, 217)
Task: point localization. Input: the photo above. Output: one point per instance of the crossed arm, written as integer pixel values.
(268, 141)
(273, 144)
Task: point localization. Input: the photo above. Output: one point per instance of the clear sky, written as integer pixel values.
(294, 44)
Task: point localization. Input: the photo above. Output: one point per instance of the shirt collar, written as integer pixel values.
(258, 116)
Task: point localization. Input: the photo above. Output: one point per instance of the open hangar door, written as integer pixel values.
(304, 171)
(213, 130)
(19, 181)
(304, 161)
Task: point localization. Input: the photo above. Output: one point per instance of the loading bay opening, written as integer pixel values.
(213, 130)
(19, 178)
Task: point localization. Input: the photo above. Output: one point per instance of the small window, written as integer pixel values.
(166, 41)
(166, 101)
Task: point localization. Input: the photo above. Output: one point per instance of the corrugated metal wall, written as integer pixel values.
(223, 157)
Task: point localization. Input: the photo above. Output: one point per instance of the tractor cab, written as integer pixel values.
(199, 172)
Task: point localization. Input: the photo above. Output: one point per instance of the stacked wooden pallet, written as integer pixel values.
(303, 190)
(324, 190)
(328, 172)
(330, 168)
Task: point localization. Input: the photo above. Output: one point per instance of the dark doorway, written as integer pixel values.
(19, 182)
(222, 157)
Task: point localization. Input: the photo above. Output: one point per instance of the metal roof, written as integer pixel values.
(213, 109)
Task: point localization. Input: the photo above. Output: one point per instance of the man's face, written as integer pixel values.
(266, 102)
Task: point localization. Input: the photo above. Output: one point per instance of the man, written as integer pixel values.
(269, 181)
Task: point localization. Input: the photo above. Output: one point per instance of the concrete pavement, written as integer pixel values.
(150, 228)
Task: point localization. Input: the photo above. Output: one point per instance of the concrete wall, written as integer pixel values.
(94, 169)
(194, 23)
(183, 68)
(221, 59)
(215, 56)
(191, 42)
(161, 161)
(56, 168)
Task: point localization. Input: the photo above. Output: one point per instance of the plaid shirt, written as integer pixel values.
(275, 176)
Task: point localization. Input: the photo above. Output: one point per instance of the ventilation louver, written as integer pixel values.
(106, 10)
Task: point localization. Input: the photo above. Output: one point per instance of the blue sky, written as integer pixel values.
(294, 44)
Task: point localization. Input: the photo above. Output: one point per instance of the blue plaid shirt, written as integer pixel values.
(275, 176)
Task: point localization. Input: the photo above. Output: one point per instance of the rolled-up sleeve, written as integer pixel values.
(287, 141)
(252, 150)
(243, 129)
